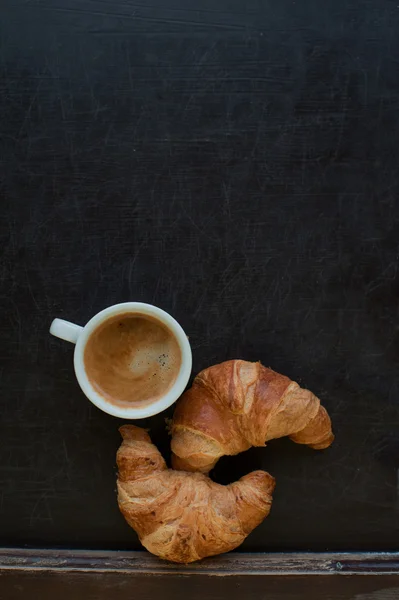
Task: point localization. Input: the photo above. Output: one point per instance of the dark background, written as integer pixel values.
(236, 163)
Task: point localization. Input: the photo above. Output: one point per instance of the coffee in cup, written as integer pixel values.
(132, 359)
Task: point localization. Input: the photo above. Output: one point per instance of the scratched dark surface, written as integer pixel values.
(236, 163)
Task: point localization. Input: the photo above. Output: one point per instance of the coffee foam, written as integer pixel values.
(132, 359)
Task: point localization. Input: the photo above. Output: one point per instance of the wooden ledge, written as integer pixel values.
(233, 564)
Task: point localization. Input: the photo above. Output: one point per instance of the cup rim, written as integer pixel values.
(165, 401)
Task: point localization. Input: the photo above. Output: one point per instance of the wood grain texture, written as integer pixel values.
(123, 575)
(232, 564)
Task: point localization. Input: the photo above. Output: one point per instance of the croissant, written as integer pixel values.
(180, 516)
(238, 404)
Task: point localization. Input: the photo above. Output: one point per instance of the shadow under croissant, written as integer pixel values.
(182, 516)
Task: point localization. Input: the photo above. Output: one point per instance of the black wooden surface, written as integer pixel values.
(236, 163)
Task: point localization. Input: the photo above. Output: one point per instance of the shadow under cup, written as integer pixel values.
(132, 360)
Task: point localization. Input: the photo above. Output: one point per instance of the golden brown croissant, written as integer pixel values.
(181, 516)
(238, 404)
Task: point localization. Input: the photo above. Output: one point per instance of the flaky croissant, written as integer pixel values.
(180, 516)
(238, 404)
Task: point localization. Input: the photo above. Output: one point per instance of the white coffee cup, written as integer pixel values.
(79, 335)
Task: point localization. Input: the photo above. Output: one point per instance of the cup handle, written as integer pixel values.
(65, 330)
